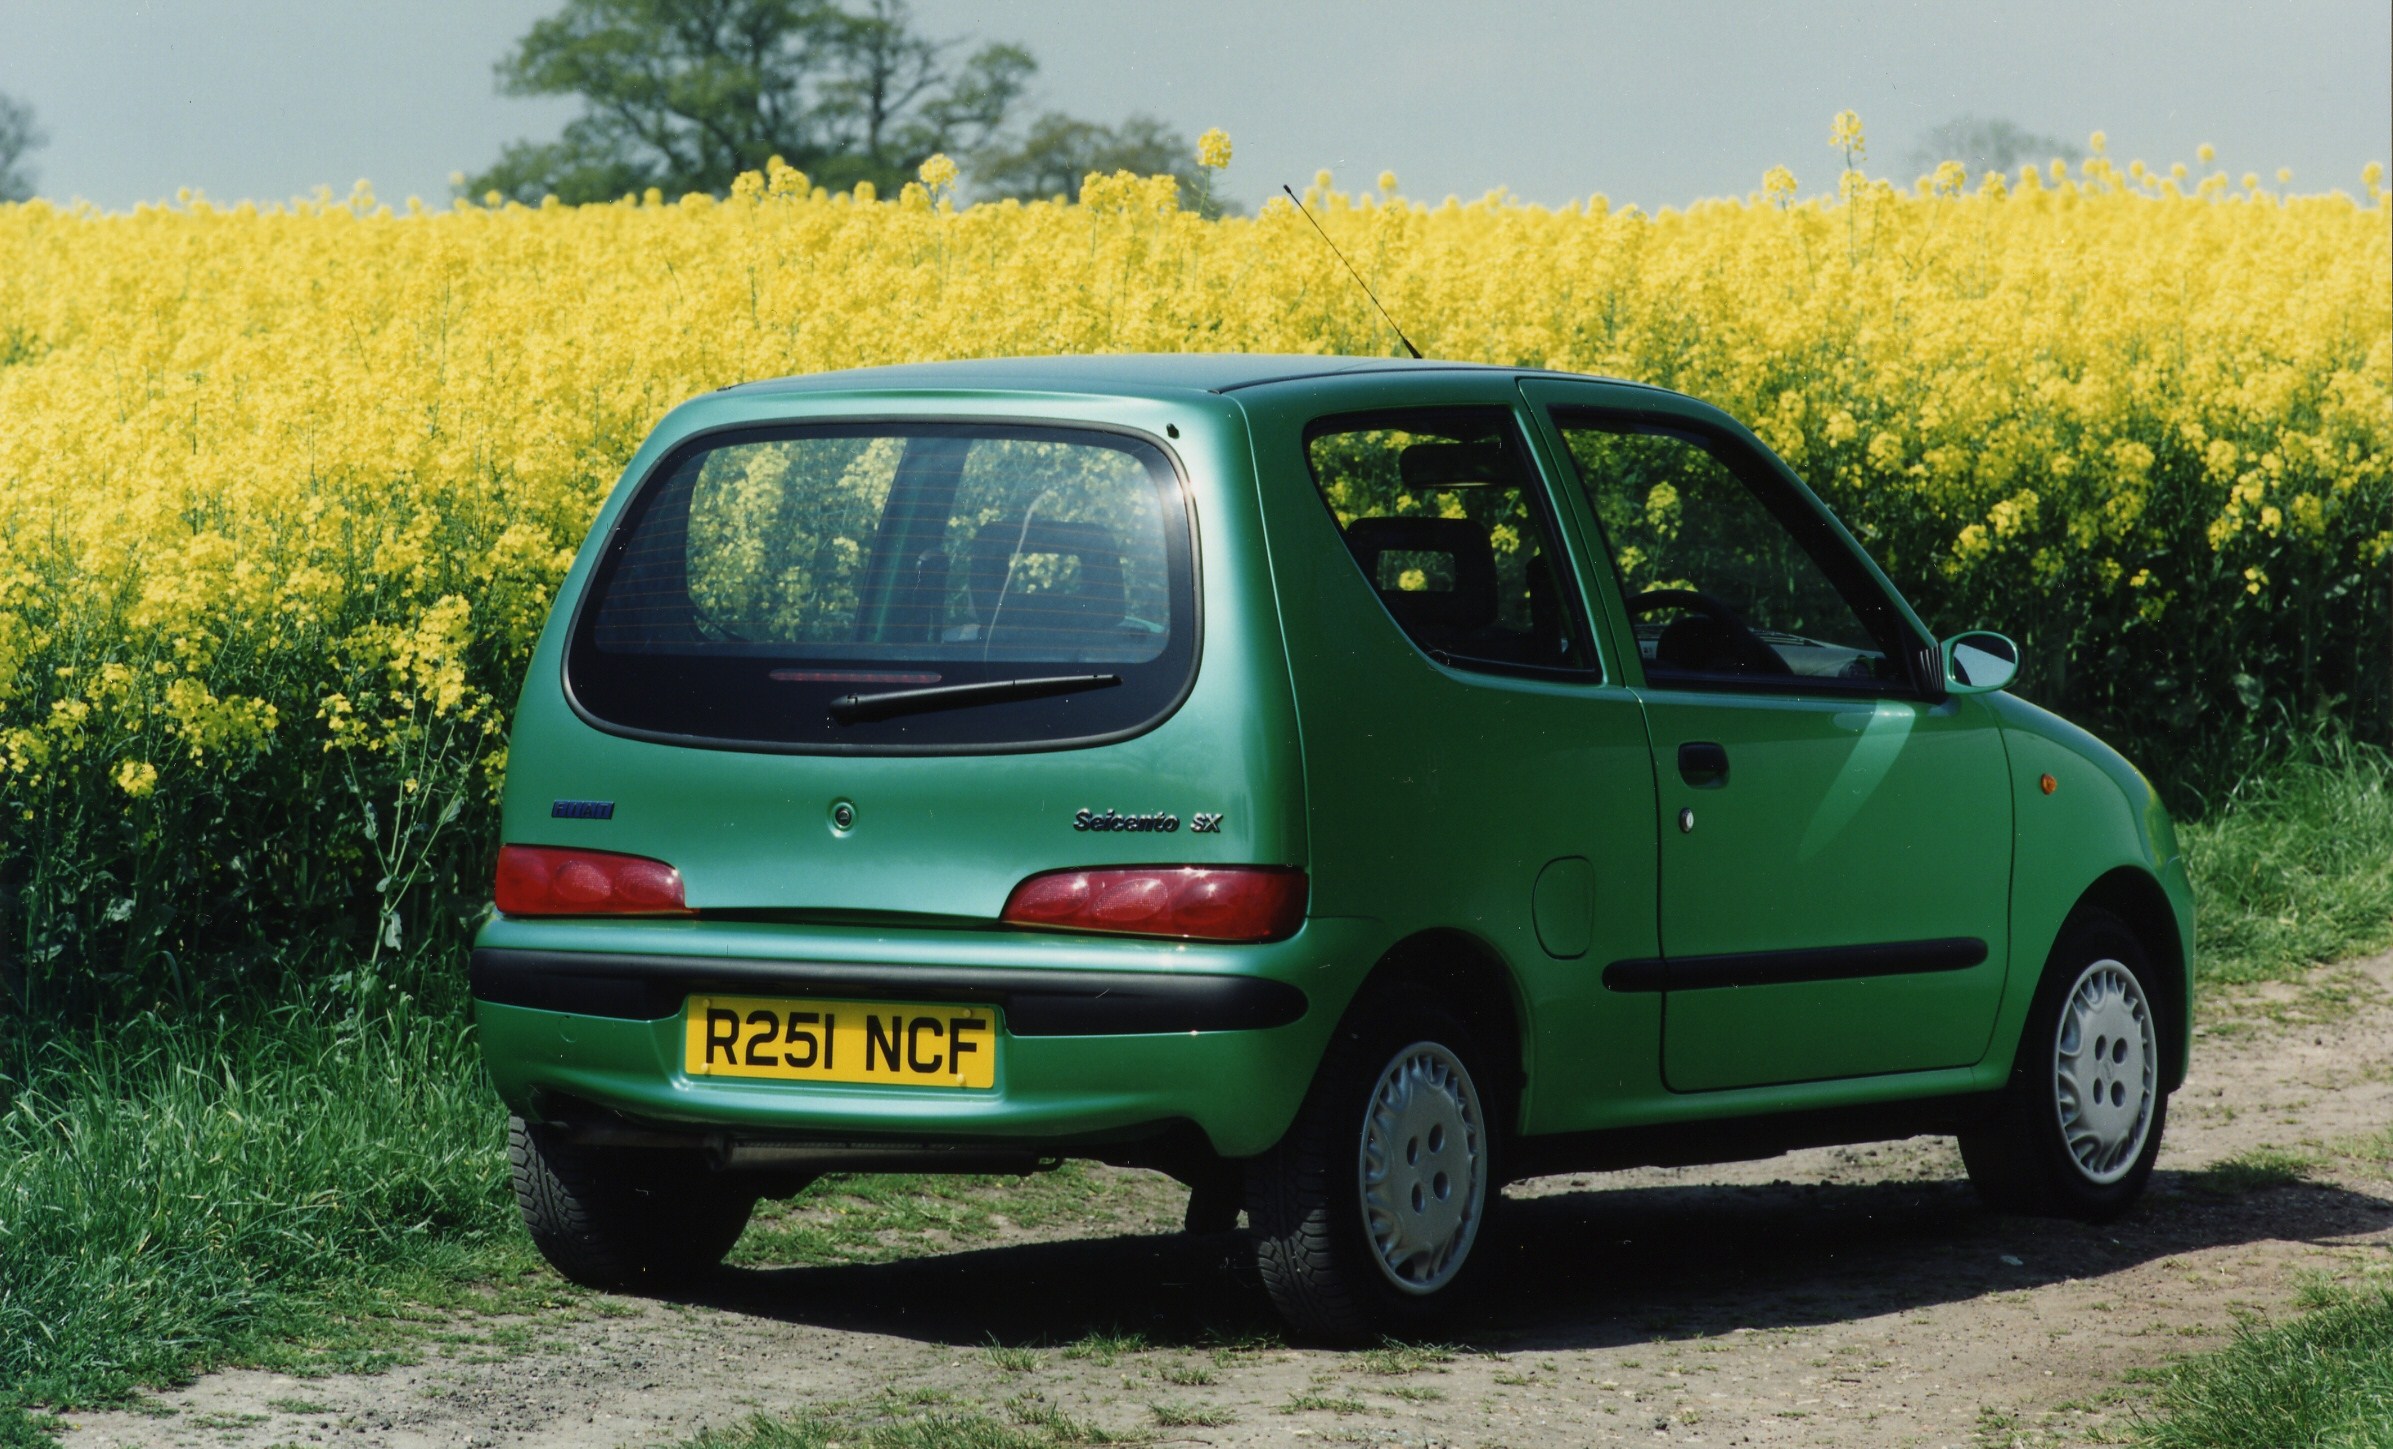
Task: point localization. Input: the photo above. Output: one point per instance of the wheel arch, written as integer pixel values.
(2136, 898)
(1468, 975)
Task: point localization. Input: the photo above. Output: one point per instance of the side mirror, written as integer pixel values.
(1979, 662)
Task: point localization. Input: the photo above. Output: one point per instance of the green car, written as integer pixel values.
(1346, 785)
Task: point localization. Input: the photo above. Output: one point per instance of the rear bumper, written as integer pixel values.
(1035, 1002)
(1102, 1041)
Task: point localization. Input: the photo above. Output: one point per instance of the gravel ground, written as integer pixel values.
(1852, 1296)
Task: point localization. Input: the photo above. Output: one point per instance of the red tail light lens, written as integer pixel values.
(542, 880)
(1228, 903)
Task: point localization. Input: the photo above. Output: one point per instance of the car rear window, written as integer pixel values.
(890, 587)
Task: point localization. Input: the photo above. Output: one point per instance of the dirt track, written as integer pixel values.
(1848, 1296)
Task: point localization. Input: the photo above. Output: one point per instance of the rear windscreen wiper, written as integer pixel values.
(852, 708)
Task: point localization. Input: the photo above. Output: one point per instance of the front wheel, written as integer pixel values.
(1367, 1214)
(625, 1217)
(2080, 1123)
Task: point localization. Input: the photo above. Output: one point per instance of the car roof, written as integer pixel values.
(1139, 373)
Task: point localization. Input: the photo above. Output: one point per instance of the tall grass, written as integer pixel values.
(175, 1193)
(2294, 867)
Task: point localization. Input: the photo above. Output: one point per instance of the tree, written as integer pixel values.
(1987, 145)
(684, 95)
(1057, 150)
(19, 137)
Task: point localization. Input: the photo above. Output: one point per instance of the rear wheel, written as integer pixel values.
(2080, 1123)
(622, 1217)
(1368, 1214)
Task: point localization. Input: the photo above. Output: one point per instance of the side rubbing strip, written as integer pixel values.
(1782, 968)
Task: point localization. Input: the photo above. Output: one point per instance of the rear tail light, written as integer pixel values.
(543, 880)
(1224, 903)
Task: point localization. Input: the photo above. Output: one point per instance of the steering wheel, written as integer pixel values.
(1716, 641)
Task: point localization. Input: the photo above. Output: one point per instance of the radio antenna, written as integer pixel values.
(1358, 276)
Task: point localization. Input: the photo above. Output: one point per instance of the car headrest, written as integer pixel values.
(1427, 466)
(1388, 547)
(1097, 598)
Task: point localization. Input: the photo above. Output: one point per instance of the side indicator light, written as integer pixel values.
(2048, 784)
(543, 880)
(1198, 903)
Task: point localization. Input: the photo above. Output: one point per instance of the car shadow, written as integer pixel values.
(1603, 1266)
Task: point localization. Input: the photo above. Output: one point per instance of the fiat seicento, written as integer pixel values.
(1345, 785)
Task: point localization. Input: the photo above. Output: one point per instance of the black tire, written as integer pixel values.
(1305, 1199)
(2022, 1161)
(625, 1217)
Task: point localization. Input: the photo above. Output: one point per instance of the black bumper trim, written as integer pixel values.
(1036, 1002)
(1782, 968)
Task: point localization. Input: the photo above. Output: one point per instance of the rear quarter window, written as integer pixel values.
(1445, 516)
(1020, 587)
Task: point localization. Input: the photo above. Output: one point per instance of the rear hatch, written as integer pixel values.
(885, 670)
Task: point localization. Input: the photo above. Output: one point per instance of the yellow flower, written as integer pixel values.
(2372, 175)
(1387, 181)
(2098, 143)
(1844, 134)
(1778, 184)
(137, 778)
(1213, 149)
(2284, 174)
(2206, 153)
(938, 170)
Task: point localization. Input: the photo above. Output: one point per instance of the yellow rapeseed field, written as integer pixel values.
(284, 491)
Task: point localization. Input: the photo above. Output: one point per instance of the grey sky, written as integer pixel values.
(1657, 102)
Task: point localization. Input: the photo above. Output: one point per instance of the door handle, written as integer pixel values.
(1703, 764)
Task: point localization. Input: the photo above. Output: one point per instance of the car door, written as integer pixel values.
(1835, 834)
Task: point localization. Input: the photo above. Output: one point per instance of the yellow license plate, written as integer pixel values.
(904, 1044)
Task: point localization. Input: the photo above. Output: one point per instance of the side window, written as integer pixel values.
(1444, 515)
(1727, 577)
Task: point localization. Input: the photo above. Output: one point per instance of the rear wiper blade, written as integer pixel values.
(853, 708)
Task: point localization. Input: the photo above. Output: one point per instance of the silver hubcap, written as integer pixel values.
(1423, 1167)
(2105, 1063)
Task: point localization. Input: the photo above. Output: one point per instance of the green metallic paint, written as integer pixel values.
(2102, 817)
(1439, 795)
(1844, 822)
(1427, 803)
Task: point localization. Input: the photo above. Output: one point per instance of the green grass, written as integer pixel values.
(2323, 1379)
(1323, 1404)
(895, 1426)
(2257, 1170)
(301, 1188)
(1172, 1415)
(2295, 867)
